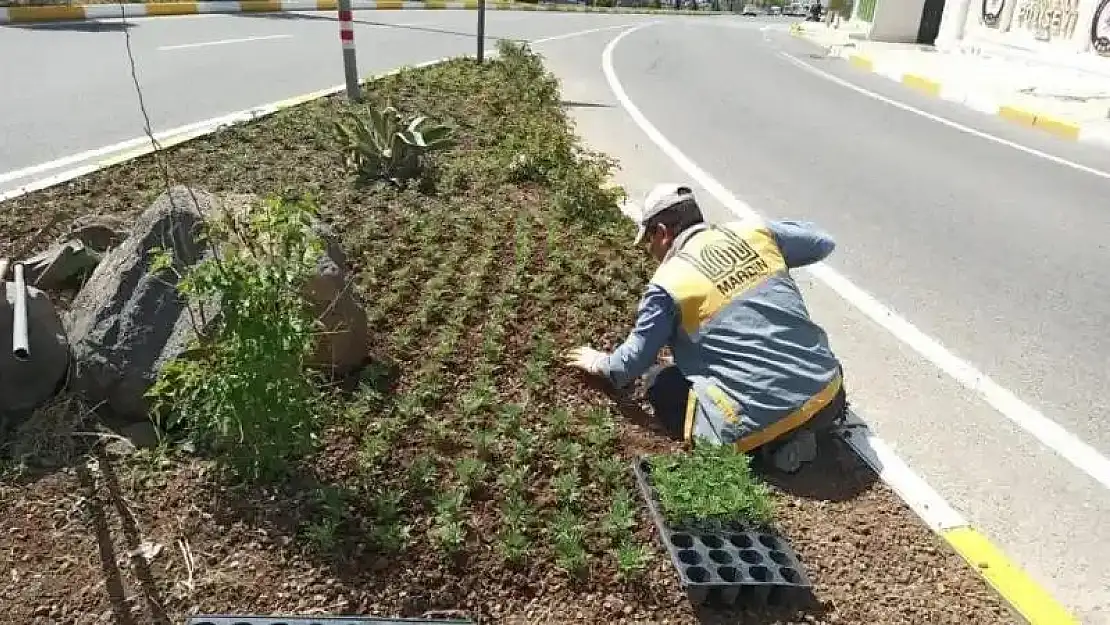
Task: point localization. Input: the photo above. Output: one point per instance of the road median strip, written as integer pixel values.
(24, 15)
(1024, 596)
(1058, 126)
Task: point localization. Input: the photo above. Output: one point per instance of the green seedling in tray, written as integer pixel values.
(710, 483)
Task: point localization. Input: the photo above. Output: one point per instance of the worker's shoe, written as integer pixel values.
(790, 455)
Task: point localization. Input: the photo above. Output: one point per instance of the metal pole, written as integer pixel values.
(21, 348)
(481, 30)
(347, 38)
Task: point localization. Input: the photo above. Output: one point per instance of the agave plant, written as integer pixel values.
(381, 146)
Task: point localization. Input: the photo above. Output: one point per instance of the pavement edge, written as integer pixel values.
(1027, 599)
(1055, 125)
(81, 12)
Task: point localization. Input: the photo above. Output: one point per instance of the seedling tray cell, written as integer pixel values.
(728, 563)
(204, 619)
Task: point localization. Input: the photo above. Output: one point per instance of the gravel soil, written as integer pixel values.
(475, 282)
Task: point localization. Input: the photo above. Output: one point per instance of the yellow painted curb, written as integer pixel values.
(45, 14)
(1032, 603)
(260, 6)
(1017, 115)
(156, 9)
(1059, 127)
(862, 62)
(922, 84)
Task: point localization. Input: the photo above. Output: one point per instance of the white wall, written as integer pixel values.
(1049, 27)
(897, 20)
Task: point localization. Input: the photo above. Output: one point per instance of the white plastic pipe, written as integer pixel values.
(21, 347)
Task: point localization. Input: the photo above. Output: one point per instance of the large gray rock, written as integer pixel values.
(126, 322)
(25, 385)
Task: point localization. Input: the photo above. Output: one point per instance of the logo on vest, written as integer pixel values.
(731, 265)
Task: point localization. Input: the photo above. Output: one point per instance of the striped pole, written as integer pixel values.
(347, 38)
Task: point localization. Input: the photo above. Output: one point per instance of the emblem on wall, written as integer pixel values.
(1100, 29)
(992, 11)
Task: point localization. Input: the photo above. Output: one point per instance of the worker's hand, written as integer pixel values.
(585, 358)
(652, 373)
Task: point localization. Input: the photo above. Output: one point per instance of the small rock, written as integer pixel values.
(25, 385)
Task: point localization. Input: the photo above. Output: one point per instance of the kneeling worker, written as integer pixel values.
(750, 369)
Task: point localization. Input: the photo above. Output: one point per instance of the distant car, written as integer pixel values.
(750, 9)
(776, 10)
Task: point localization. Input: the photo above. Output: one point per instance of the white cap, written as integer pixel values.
(662, 197)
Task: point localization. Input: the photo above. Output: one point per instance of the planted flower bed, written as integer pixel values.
(467, 471)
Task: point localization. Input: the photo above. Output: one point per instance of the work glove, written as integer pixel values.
(652, 373)
(586, 358)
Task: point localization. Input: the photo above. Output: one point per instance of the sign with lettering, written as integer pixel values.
(1048, 19)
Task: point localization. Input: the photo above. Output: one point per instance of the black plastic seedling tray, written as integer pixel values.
(728, 563)
(205, 619)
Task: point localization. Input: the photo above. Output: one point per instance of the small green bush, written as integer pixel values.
(243, 391)
(710, 483)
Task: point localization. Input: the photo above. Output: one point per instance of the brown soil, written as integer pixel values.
(476, 285)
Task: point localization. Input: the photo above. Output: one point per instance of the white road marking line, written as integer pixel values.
(221, 42)
(582, 32)
(941, 120)
(163, 134)
(1048, 432)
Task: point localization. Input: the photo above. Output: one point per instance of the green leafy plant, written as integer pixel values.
(514, 546)
(566, 489)
(470, 472)
(621, 517)
(568, 533)
(569, 453)
(243, 391)
(601, 431)
(710, 483)
(611, 472)
(322, 533)
(632, 558)
(383, 146)
(558, 423)
(449, 529)
(389, 532)
(422, 473)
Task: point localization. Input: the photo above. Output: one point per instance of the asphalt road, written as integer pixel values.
(998, 253)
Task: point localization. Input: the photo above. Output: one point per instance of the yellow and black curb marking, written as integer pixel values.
(18, 15)
(1054, 125)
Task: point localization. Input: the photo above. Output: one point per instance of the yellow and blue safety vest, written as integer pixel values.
(759, 367)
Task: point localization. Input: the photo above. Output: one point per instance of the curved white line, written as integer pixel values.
(941, 120)
(1048, 432)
